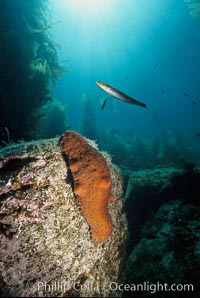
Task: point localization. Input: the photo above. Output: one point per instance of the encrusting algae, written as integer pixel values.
(44, 238)
(92, 183)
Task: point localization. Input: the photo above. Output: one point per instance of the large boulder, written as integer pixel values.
(46, 248)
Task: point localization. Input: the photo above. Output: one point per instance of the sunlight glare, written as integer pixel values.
(87, 7)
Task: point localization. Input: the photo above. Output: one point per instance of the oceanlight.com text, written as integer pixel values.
(151, 288)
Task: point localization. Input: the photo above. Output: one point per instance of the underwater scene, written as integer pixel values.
(99, 148)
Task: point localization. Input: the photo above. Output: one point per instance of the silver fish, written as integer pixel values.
(119, 95)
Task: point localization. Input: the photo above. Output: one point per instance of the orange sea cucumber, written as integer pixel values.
(92, 183)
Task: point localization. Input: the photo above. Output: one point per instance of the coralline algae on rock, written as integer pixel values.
(45, 243)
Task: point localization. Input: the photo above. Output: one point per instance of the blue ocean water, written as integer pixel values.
(147, 49)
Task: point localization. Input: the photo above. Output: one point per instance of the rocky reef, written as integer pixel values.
(163, 211)
(46, 247)
(56, 241)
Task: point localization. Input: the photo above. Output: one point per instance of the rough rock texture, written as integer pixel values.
(163, 211)
(92, 183)
(148, 190)
(45, 242)
(169, 251)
